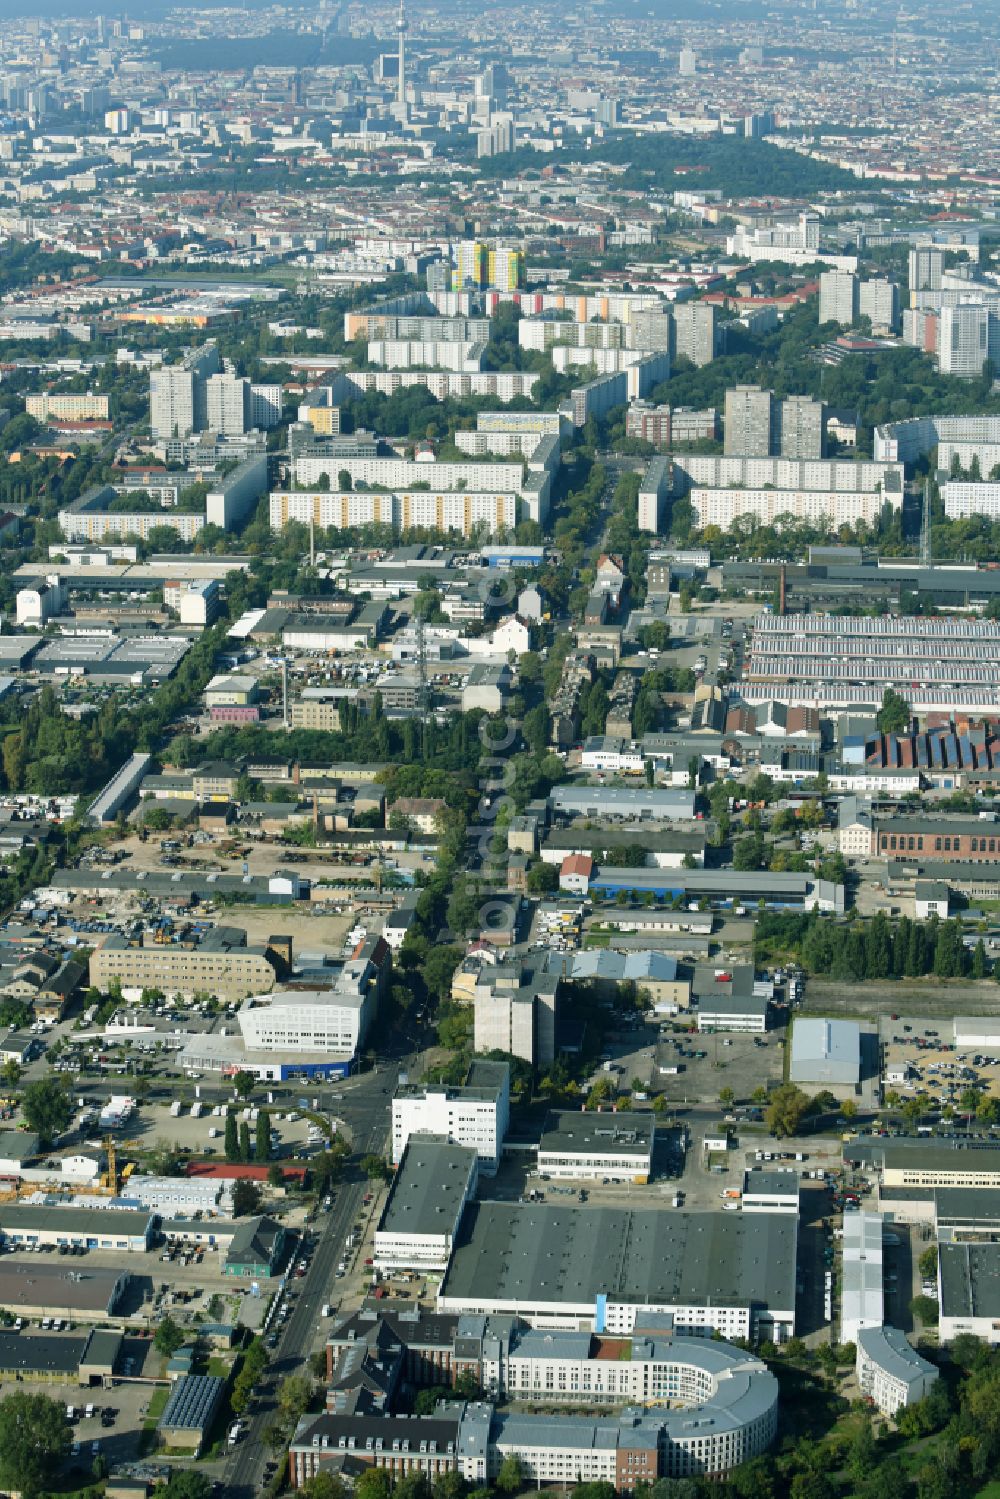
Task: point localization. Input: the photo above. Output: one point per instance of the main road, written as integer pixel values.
(369, 1115)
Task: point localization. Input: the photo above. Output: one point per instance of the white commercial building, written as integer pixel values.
(771, 1192)
(825, 1052)
(424, 1207)
(476, 1115)
(582, 1146)
(37, 605)
(307, 1019)
(122, 786)
(609, 1268)
(200, 602)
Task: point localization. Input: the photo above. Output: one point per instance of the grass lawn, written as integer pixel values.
(154, 1410)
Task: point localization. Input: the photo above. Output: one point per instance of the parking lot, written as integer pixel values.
(706, 1063)
(920, 1062)
(204, 1135)
(118, 1436)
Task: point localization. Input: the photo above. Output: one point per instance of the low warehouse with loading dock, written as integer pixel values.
(127, 1230)
(88, 1357)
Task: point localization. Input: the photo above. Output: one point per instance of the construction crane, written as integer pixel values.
(110, 1178)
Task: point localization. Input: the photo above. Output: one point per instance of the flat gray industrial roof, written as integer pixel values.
(429, 1187)
(55, 1287)
(541, 1253)
(138, 882)
(973, 1204)
(571, 1132)
(105, 1222)
(970, 1280)
(42, 1353)
(825, 1051)
(771, 1183)
(492, 1077)
(918, 1154)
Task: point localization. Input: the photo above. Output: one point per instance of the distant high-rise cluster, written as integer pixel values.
(198, 395)
(759, 426)
(479, 266)
(844, 298)
(953, 312)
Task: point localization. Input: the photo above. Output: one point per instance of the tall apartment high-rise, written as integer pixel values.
(472, 264)
(695, 333)
(651, 329)
(748, 421)
(964, 339)
(878, 300)
(505, 268)
(687, 63)
(227, 401)
(439, 276)
(838, 298)
(178, 397)
(926, 268)
(800, 423)
(265, 406)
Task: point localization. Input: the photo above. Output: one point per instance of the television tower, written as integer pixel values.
(401, 81)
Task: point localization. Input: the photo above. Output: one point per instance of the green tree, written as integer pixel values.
(861, 1457)
(924, 1309)
(232, 1139)
(294, 1395)
(894, 714)
(185, 1483)
(246, 1199)
(786, 1110)
(375, 1167)
(15, 1015)
(244, 1141)
(450, 1486)
(427, 1399)
(47, 1109)
(374, 1483)
(169, 1337)
(979, 960)
(543, 878)
(323, 1485)
(244, 1084)
(262, 1151)
(510, 1477)
(34, 1442)
(928, 1262)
